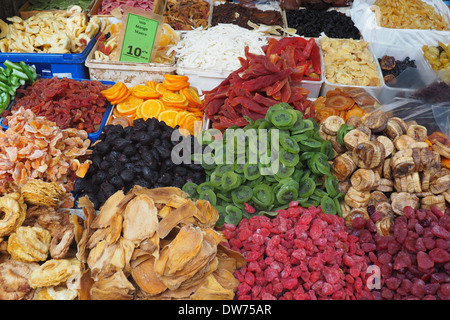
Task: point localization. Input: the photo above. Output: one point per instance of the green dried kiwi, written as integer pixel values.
(251, 171)
(328, 205)
(284, 119)
(209, 196)
(263, 196)
(233, 214)
(306, 188)
(190, 188)
(289, 159)
(287, 193)
(230, 181)
(202, 187)
(289, 144)
(284, 172)
(242, 194)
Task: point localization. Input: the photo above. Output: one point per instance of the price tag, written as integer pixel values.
(139, 35)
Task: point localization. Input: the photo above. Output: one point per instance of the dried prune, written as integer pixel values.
(108, 189)
(120, 144)
(102, 147)
(117, 182)
(104, 165)
(129, 150)
(127, 175)
(165, 179)
(79, 185)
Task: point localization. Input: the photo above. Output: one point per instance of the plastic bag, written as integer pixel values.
(433, 116)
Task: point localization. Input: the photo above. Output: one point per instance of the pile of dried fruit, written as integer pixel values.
(67, 102)
(173, 101)
(187, 14)
(167, 246)
(265, 80)
(414, 258)
(134, 155)
(34, 147)
(302, 254)
(392, 68)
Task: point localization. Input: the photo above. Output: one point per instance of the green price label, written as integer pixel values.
(138, 39)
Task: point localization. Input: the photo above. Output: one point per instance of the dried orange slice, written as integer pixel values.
(151, 84)
(168, 116)
(144, 92)
(176, 100)
(162, 89)
(150, 108)
(191, 95)
(129, 105)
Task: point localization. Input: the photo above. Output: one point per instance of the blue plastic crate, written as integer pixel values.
(92, 136)
(55, 64)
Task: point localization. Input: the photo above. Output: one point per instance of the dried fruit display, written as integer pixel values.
(173, 101)
(36, 148)
(311, 23)
(349, 62)
(241, 14)
(302, 254)
(110, 6)
(134, 155)
(414, 259)
(385, 165)
(187, 14)
(392, 68)
(265, 80)
(438, 56)
(259, 183)
(177, 255)
(67, 102)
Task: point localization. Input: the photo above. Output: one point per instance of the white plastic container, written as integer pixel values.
(374, 91)
(129, 73)
(420, 79)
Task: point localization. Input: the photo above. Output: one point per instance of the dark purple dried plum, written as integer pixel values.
(117, 182)
(154, 134)
(156, 142)
(147, 156)
(135, 157)
(194, 167)
(96, 160)
(113, 156)
(89, 187)
(99, 177)
(155, 154)
(167, 165)
(120, 144)
(143, 183)
(79, 185)
(129, 150)
(144, 138)
(164, 152)
(108, 189)
(113, 171)
(178, 182)
(166, 144)
(103, 147)
(138, 122)
(127, 175)
(104, 165)
(165, 179)
(112, 137)
(180, 171)
(123, 158)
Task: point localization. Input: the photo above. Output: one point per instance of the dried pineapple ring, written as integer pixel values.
(52, 273)
(14, 213)
(41, 193)
(29, 244)
(56, 293)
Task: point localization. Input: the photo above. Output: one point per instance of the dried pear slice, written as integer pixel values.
(160, 195)
(206, 214)
(108, 211)
(212, 290)
(140, 219)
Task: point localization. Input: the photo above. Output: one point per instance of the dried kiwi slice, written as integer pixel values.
(284, 172)
(289, 144)
(190, 188)
(230, 180)
(251, 171)
(332, 185)
(287, 193)
(232, 214)
(289, 159)
(209, 196)
(203, 187)
(263, 196)
(306, 188)
(284, 119)
(328, 205)
(242, 194)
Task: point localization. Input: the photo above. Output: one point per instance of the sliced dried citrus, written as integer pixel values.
(150, 108)
(175, 77)
(168, 116)
(176, 100)
(129, 105)
(144, 92)
(191, 95)
(151, 84)
(162, 89)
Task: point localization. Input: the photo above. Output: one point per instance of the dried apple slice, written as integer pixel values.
(140, 219)
(108, 211)
(185, 211)
(146, 278)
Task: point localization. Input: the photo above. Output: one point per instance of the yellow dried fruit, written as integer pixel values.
(29, 244)
(53, 272)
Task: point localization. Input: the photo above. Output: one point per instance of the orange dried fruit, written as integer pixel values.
(144, 92)
(168, 116)
(191, 95)
(129, 105)
(150, 108)
(160, 88)
(151, 84)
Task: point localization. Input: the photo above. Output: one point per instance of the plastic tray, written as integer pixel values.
(129, 73)
(92, 136)
(372, 90)
(410, 80)
(55, 64)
